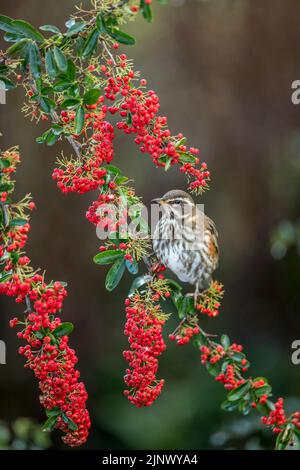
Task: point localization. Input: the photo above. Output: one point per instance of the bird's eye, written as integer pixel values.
(177, 201)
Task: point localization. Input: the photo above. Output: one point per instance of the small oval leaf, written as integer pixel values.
(108, 257)
(65, 329)
(115, 274)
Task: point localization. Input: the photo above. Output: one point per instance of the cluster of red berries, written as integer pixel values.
(97, 212)
(229, 378)
(47, 351)
(53, 361)
(276, 418)
(84, 175)
(157, 268)
(144, 331)
(296, 419)
(210, 300)
(140, 108)
(212, 355)
(184, 334)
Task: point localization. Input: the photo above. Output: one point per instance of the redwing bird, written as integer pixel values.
(185, 240)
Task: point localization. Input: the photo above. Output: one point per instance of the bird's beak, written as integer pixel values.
(157, 201)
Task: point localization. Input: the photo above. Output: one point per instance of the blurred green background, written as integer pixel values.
(223, 70)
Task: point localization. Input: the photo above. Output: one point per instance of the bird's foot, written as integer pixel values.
(195, 296)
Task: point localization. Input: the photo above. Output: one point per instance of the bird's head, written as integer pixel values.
(176, 201)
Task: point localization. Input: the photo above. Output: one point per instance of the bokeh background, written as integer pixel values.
(223, 70)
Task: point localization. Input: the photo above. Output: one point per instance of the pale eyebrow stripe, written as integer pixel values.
(186, 201)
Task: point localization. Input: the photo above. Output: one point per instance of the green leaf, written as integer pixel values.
(3, 69)
(70, 103)
(237, 393)
(129, 119)
(47, 104)
(5, 277)
(50, 64)
(57, 129)
(12, 37)
(43, 138)
(168, 164)
(185, 306)
(47, 90)
(79, 44)
(6, 187)
(283, 439)
(4, 163)
(265, 390)
(181, 306)
(225, 341)
(71, 72)
(237, 356)
(17, 47)
(225, 365)
(112, 169)
(62, 85)
(51, 28)
(121, 37)
(115, 274)
(51, 139)
(213, 369)
(76, 28)
(121, 180)
(14, 256)
(34, 60)
(139, 282)
(65, 329)
(187, 158)
(180, 142)
(39, 335)
(146, 10)
(79, 120)
(132, 267)
(56, 411)
(17, 222)
(108, 257)
(229, 406)
(174, 286)
(60, 59)
(27, 30)
(100, 22)
(90, 43)
(91, 96)
(6, 24)
(111, 21)
(265, 408)
(49, 425)
(72, 426)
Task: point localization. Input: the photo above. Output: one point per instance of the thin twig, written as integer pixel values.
(75, 145)
(108, 52)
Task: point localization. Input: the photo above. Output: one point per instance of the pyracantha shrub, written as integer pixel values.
(78, 82)
(47, 352)
(144, 325)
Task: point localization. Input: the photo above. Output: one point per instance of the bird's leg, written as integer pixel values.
(196, 294)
